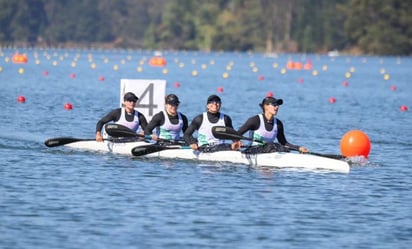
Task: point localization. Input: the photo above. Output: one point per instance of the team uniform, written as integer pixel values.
(203, 123)
(168, 128)
(267, 132)
(135, 121)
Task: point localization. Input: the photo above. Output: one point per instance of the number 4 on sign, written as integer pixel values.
(150, 92)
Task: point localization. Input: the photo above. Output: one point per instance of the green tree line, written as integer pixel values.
(309, 26)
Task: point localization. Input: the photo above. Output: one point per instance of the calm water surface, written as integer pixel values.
(58, 198)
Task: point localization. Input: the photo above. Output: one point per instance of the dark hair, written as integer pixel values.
(172, 99)
(129, 96)
(213, 98)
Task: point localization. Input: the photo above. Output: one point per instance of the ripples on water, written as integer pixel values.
(59, 198)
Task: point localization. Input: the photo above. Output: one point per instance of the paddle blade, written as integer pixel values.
(152, 148)
(222, 132)
(117, 130)
(58, 141)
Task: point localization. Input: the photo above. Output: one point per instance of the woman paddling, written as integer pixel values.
(264, 129)
(203, 124)
(126, 116)
(168, 124)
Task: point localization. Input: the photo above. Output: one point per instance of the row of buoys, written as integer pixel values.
(22, 99)
(19, 58)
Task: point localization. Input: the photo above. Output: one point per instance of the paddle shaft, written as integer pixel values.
(223, 132)
(152, 148)
(116, 130)
(58, 141)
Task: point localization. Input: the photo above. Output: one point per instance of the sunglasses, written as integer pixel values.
(274, 104)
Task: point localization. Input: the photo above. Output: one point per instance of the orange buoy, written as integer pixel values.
(355, 143)
(298, 65)
(19, 58)
(21, 99)
(290, 65)
(307, 66)
(68, 106)
(157, 61)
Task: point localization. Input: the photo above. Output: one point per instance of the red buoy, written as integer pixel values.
(21, 99)
(404, 108)
(269, 94)
(332, 100)
(220, 89)
(68, 106)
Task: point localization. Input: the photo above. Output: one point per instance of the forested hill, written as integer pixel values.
(311, 26)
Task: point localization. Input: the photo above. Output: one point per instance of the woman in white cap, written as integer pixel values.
(126, 116)
(169, 123)
(266, 128)
(203, 124)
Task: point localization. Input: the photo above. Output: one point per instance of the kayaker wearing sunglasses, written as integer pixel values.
(266, 128)
(126, 115)
(203, 124)
(169, 123)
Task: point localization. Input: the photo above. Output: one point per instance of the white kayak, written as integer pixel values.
(106, 146)
(275, 159)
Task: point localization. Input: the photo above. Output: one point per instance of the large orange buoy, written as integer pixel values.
(355, 143)
(157, 61)
(19, 58)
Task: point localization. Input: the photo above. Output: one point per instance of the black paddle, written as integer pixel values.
(116, 130)
(152, 148)
(223, 132)
(54, 142)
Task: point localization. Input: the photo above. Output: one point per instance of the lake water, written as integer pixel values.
(58, 198)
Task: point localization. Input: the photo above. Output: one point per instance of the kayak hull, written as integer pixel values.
(275, 159)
